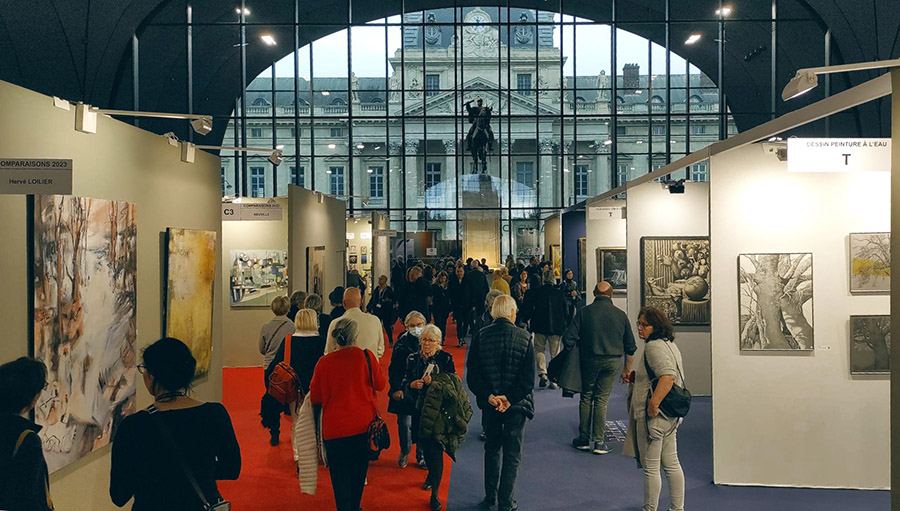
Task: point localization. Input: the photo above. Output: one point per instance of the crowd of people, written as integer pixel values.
(515, 321)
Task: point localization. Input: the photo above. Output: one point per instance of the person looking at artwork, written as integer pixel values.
(547, 311)
(271, 340)
(342, 386)
(383, 305)
(314, 302)
(24, 480)
(335, 298)
(157, 451)
(653, 433)
(370, 333)
(406, 345)
(297, 300)
(603, 335)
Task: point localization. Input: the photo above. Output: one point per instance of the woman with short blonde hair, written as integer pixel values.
(307, 320)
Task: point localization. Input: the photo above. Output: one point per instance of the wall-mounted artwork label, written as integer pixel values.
(870, 344)
(870, 262)
(839, 155)
(258, 211)
(190, 274)
(675, 278)
(776, 301)
(257, 276)
(35, 176)
(85, 289)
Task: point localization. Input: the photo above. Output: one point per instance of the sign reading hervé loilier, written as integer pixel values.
(25, 176)
(839, 155)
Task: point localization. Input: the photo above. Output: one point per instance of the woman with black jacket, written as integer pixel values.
(406, 345)
(459, 301)
(383, 306)
(570, 288)
(440, 306)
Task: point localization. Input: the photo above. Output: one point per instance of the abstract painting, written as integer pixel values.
(675, 278)
(556, 260)
(85, 280)
(870, 262)
(776, 301)
(257, 277)
(190, 274)
(612, 267)
(315, 270)
(870, 344)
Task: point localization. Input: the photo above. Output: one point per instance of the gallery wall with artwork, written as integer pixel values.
(254, 271)
(667, 267)
(605, 246)
(574, 248)
(129, 187)
(801, 336)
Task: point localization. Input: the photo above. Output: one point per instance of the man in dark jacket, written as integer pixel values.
(476, 289)
(603, 334)
(547, 309)
(415, 293)
(500, 373)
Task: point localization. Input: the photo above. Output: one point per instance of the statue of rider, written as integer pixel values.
(475, 113)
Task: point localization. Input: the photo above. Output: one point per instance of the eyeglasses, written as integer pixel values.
(141, 368)
(642, 324)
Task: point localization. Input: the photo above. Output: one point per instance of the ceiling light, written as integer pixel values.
(724, 11)
(806, 79)
(328, 171)
(693, 38)
(802, 82)
(331, 146)
(325, 93)
(360, 146)
(607, 142)
(171, 138)
(640, 141)
(370, 171)
(245, 10)
(86, 118)
(268, 39)
(202, 125)
(377, 147)
(276, 157)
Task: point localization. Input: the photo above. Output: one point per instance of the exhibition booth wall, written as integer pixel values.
(120, 163)
(795, 416)
(552, 236)
(381, 248)
(317, 239)
(605, 237)
(241, 323)
(573, 231)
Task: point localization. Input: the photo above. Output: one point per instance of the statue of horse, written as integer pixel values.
(480, 137)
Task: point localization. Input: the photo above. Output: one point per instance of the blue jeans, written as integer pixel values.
(504, 431)
(404, 422)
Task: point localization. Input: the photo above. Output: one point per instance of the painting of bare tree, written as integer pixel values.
(870, 262)
(675, 275)
(85, 277)
(776, 301)
(870, 344)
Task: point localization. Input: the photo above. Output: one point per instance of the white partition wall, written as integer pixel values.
(653, 211)
(795, 418)
(603, 231)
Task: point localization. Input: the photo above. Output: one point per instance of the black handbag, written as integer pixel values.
(379, 436)
(677, 402)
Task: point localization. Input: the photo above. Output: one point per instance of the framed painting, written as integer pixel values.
(257, 277)
(675, 277)
(870, 262)
(85, 328)
(870, 344)
(352, 249)
(190, 278)
(315, 270)
(612, 267)
(556, 260)
(776, 301)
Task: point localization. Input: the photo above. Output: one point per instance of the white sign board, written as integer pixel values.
(351, 235)
(839, 155)
(35, 176)
(258, 211)
(431, 251)
(606, 213)
(365, 235)
(384, 232)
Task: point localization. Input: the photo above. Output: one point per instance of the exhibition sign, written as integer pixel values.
(259, 211)
(839, 155)
(35, 176)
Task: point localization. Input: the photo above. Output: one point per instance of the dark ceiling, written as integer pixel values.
(82, 50)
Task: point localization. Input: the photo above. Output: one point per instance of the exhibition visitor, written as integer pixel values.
(271, 341)
(459, 302)
(407, 344)
(315, 303)
(486, 318)
(170, 455)
(547, 313)
(413, 296)
(476, 287)
(335, 297)
(371, 335)
(570, 289)
(500, 372)
(440, 302)
(298, 298)
(654, 433)
(501, 280)
(603, 335)
(344, 385)
(24, 480)
(518, 290)
(383, 304)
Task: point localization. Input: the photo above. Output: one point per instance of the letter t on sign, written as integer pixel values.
(846, 158)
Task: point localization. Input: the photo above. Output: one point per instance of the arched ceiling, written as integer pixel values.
(81, 49)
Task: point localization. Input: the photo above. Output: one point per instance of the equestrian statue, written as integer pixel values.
(480, 138)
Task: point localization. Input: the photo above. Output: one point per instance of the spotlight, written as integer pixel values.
(245, 11)
(360, 146)
(171, 138)
(674, 186)
(202, 126)
(724, 11)
(802, 82)
(268, 39)
(693, 38)
(331, 146)
(326, 93)
(276, 157)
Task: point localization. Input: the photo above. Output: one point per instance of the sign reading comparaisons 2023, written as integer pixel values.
(24, 176)
(839, 155)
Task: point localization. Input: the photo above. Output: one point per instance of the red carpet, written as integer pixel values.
(268, 478)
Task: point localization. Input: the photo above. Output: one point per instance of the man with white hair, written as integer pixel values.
(371, 333)
(500, 372)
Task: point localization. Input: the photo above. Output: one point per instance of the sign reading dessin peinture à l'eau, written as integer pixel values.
(24, 176)
(839, 155)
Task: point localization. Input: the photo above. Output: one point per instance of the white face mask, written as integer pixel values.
(417, 330)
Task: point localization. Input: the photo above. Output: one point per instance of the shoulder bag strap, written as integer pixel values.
(287, 348)
(372, 379)
(177, 453)
(19, 442)
(677, 366)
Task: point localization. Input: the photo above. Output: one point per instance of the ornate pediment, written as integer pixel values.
(443, 103)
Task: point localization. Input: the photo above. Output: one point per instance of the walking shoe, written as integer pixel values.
(487, 503)
(273, 438)
(600, 448)
(402, 461)
(421, 463)
(483, 436)
(426, 485)
(581, 444)
(436, 504)
(543, 382)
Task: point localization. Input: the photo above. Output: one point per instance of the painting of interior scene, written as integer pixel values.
(257, 276)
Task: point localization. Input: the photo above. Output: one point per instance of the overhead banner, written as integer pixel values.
(839, 155)
(28, 176)
(259, 211)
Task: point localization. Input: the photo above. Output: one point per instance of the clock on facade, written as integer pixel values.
(477, 19)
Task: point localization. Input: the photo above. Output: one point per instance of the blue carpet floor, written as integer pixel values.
(554, 476)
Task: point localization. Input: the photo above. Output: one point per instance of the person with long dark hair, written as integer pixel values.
(440, 306)
(383, 305)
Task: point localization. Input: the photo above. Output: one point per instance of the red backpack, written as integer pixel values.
(284, 385)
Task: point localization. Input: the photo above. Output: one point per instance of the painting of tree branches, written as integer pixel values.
(776, 301)
(190, 274)
(85, 276)
(675, 276)
(870, 344)
(870, 262)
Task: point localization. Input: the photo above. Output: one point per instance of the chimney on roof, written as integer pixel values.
(631, 76)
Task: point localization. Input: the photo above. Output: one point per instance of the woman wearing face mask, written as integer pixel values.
(421, 368)
(406, 345)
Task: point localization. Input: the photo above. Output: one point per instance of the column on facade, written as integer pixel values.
(359, 178)
(394, 176)
(413, 186)
(449, 172)
(600, 179)
(549, 181)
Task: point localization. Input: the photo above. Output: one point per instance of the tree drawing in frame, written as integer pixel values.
(870, 344)
(776, 301)
(870, 262)
(257, 277)
(675, 277)
(315, 270)
(85, 328)
(612, 267)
